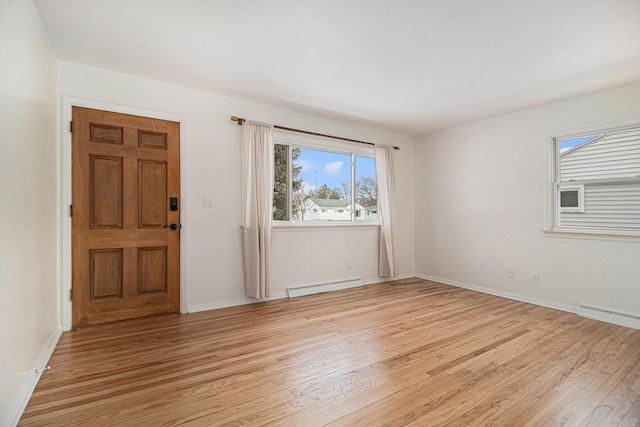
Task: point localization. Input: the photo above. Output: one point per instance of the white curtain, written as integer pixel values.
(387, 265)
(257, 195)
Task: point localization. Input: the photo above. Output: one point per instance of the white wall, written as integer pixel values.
(480, 210)
(29, 323)
(211, 154)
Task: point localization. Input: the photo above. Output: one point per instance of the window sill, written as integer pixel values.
(315, 226)
(593, 235)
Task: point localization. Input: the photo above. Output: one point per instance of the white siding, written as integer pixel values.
(615, 155)
(612, 206)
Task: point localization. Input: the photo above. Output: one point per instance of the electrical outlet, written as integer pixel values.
(349, 265)
(0, 371)
(207, 202)
(535, 277)
(510, 272)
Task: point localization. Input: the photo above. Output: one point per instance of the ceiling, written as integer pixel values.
(409, 65)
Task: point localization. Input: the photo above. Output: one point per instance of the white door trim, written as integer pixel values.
(64, 194)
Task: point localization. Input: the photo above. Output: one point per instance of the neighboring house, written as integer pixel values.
(370, 214)
(335, 210)
(599, 180)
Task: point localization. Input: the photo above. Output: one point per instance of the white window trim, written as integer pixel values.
(551, 166)
(570, 187)
(327, 225)
(313, 142)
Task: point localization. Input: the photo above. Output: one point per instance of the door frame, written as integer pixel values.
(64, 195)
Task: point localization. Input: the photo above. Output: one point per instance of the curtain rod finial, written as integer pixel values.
(238, 119)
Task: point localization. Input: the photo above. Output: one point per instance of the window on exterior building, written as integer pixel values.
(596, 181)
(318, 180)
(571, 198)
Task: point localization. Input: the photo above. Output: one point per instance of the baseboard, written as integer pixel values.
(22, 399)
(375, 280)
(232, 303)
(629, 320)
(318, 288)
(278, 295)
(503, 294)
(602, 314)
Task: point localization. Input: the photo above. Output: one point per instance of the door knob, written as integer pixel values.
(172, 226)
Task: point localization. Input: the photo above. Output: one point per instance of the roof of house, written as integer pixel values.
(332, 203)
(342, 203)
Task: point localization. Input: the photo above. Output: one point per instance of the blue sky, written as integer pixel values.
(570, 143)
(322, 167)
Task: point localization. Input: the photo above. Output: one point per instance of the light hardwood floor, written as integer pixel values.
(411, 352)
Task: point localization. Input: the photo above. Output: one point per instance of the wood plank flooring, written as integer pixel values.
(410, 352)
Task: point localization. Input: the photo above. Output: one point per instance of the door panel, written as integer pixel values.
(152, 198)
(106, 191)
(106, 273)
(125, 258)
(152, 274)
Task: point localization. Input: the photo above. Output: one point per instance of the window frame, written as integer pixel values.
(313, 142)
(553, 185)
(570, 187)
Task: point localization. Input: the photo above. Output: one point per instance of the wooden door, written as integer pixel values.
(126, 194)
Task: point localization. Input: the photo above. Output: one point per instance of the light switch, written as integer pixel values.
(207, 201)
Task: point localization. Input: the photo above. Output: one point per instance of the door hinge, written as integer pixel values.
(70, 210)
(71, 127)
(70, 294)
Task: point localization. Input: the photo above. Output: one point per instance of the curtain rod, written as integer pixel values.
(306, 132)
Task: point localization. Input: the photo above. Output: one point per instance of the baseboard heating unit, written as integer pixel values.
(318, 288)
(608, 315)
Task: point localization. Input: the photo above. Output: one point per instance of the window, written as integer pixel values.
(571, 198)
(596, 181)
(318, 180)
(366, 190)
